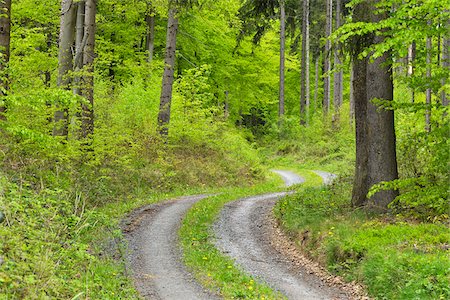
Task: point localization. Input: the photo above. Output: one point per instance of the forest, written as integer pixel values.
(111, 109)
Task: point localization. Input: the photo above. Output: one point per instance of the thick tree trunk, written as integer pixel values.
(5, 38)
(168, 76)
(428, 91)
(282, 58)
(87, 116)
(338, 75)
(376, 159)
(150, 20)
(305, 65)
(80, 40)
(359, 83)
(327, 61)
(65, 63)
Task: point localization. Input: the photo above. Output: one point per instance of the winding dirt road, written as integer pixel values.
(244, 231)
(154, 255)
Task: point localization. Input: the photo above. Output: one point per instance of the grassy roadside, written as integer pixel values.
(213, 269)
(393, 257)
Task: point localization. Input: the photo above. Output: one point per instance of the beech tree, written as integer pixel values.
(5, 39)
(327, 59)
(304, 80)
(65, 62)
(150, 39)
(87, 115)
(376, 159)
(338, 74)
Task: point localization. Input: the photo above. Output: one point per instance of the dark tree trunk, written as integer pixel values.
(360, 183)
(150, 20)
(65, 63)
(5, 38)
(352, 97)
(87, 116)
(327, 61)
(168, 76)
(376, 159)
(316, 81)
(305, 64)
(282, 58)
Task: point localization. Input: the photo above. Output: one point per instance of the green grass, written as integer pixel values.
(213, 269)
(393, 258)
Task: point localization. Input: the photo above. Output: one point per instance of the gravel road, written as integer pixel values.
(244, 231)
(154, 253)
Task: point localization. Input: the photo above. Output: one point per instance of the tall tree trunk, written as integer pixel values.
(80, 40)
(5, 38)
(327, 61)
(305, 64)
(428, 91)
(316, 81)
(87, 116)
(338, 75)
(359, 83)
(168, 76)
(282, 58)
(65, 63)
(150, 20)
(445, 63)
(376, 159)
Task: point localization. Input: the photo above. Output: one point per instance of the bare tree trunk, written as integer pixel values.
(376, 159)
(282, 58)
(168, 76)
(87, 116)
(327, 61)
(150, 20)
(359, 83)
(428, 91)
(65, 63)
(305, 65)
(5, 38)
(338, 75)
(226, 105)
(316, 81)
(445, 63)
(80, 40)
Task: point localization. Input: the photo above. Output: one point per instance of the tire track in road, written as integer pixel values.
(244, 230)
(154, 253)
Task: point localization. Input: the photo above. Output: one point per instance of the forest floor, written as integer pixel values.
(245, 231)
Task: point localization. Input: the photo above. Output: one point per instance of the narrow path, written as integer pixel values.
(326, 176)
(244, 231)
(155, 257)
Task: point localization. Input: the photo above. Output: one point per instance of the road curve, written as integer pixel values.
(154, 254)
(244, 230)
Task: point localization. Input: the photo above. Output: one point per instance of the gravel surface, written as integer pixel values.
(245, 232)
(154, 254)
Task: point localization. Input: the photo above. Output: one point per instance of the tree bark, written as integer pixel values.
(5, 39)
(168, 76)
(352, 96)
(376, 159)
(80, 40)
(150, 20)
(65, 63)
(87, 116)
(282, 58)
(411, 58)
(327, 61)
(338, 75)
(305, 64)
(428, 91)
(316, 81)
